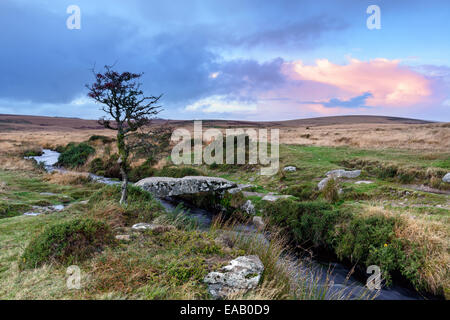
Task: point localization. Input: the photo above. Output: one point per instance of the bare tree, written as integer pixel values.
(128, 111)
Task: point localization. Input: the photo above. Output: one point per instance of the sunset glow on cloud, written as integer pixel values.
(389, 83)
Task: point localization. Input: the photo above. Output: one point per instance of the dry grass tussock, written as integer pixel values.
(15, 163)
(432, 237)
(3, 186)
(68, 178)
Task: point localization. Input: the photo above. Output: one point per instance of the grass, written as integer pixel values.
(170, 265)
(21, 191)
(415, 248)
(67, 243)
(153, 265)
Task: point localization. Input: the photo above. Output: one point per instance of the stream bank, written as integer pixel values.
(340, 272)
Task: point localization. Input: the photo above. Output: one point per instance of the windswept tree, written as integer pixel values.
(129, 112)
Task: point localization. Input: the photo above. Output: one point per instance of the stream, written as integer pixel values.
(341, 281)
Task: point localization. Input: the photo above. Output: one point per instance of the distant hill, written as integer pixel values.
(24, 122)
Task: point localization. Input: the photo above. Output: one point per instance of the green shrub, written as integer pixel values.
(331, 192)
(232, 202)
(112, 167)
(33, 152)
(359, 237)
(305, 222)
(213, 166)
(194, 269)
(67, 243)
(304, 192)
(97, 167)
(75, 155)
(108, 168)
(145, 170)
(101, 138)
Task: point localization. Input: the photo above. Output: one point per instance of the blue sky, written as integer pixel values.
(255, 60)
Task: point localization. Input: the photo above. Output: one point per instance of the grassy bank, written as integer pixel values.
(168, 263)
(390, 222)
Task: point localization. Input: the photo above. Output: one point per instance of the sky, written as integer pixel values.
(231, 59)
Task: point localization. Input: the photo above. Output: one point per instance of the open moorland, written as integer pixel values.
(394, 214)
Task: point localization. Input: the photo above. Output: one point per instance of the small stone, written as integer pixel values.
(249, 208)
(141, 226)
(123, 237)
(258, 222)
(273, 198)
(159, 228)
(239, 188)
(32, 214)
(340, 173)
(290, 169)
(446, 178)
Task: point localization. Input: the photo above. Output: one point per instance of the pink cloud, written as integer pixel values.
(391, 84)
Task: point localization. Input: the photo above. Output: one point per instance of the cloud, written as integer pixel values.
(224, 57)
(301, 34)
(389, 83)
(221, 104)
(355, 102)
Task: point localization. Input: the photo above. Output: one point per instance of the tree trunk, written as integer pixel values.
(124, 197)
(122, 161)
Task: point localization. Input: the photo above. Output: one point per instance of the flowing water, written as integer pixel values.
(339, 273)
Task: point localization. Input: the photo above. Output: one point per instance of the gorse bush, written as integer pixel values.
(75, 155)
(67, 243)
(304, 222)
(360, 239)
(361, 234)
(371, 241)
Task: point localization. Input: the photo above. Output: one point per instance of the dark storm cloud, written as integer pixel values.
(44, 62)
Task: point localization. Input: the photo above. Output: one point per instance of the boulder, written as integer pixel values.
(446, 178)
(239, 276)
(249, 208)
(163, 187)
(290, 169)
(340, 173)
